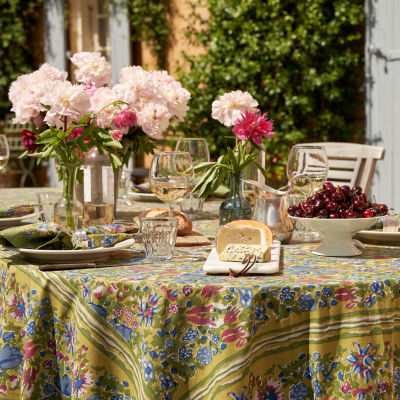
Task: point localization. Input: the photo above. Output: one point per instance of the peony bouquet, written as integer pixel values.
(72, 118)
(237, 109)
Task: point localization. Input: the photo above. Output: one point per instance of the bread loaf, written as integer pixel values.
(185, 225)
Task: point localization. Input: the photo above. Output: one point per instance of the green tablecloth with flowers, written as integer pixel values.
(323, 328)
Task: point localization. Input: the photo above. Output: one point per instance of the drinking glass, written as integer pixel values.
(307, 170)
(4, 151)
(171, 177)
(198, 150)
(308, 160)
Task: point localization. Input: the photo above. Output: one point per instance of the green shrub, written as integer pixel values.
(17, 20)
(301, 59)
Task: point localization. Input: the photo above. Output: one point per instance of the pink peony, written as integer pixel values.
(253, 125)
(65, 100)
(229, 107)
(92, 68)
(125, 119)
(117, 135)
(26, 92)
(28, 141)
(76, 132)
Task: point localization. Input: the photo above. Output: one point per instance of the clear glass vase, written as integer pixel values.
(236, 206)
(68, 210)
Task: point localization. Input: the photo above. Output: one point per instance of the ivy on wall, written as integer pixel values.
(17, 18)
(301, 59)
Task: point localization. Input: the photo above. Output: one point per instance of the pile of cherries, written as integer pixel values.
(338, 202)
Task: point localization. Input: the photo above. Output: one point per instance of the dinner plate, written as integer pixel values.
(213, 265)
(14, 221)
(379, 236)
(65, 256)
(143, 196)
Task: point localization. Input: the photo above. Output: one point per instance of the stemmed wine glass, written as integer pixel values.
(198, 150)
(4, 151)
(307, 170)
(310, 161)
(171, 177)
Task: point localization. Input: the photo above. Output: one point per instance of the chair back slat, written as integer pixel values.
(352, 163)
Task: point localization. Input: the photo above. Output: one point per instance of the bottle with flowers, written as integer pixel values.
(237, 109)
(71, 119)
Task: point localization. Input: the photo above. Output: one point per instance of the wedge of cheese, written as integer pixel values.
(237, 252)
(239, 235)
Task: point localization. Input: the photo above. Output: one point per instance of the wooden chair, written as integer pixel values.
(351, 163)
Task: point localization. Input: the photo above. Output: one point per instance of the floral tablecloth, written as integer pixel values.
(322, 328)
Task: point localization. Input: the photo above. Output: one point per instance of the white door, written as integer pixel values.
(382, 57)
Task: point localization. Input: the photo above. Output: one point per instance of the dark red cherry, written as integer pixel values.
(368, 214)
(333, 216)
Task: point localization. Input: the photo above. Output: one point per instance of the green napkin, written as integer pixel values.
(10, 211)
(51, 236)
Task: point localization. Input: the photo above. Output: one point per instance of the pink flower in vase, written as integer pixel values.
(253, 125)
(28, 140)
(125, 119)
(117, 134)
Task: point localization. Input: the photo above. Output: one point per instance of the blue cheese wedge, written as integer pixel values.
(236, 252)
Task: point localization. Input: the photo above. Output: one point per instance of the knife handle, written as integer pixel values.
(60, 267)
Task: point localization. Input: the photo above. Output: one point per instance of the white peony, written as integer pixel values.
(25, 92)
(229, 107)
(65, 100)
(153, 119)
(101, 101)
(92, 68)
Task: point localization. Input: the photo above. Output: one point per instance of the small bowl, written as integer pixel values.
(337, 234)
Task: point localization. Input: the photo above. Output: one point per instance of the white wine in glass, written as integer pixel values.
(4, 151)
(308, 160)
(171, 177)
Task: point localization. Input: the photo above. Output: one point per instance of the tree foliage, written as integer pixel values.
(17, 19)
(301, 59)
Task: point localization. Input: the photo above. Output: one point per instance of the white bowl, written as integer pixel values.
(337, 234)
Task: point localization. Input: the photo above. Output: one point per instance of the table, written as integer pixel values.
(323, 328)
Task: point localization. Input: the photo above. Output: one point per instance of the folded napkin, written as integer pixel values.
(19, 210)
(51, 236)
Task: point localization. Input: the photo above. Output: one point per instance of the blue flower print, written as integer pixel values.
(8, 336)
(166, 381)
(169, 343)
(190, 335)
(10, 357)
(162, 354)
(184, 353)
(64, 385)
(316, 356)
(362, 362)
(148, 371)
(215, 338)
(396, 376)
(259, 312)
(286, 294)
(50, 390)
(317, 388)
(246, 296)
(370, 301)
(298, 392)
(327, 292)
(204, 355)
(306, 302)
(377, 287)
(29, 328)
(308, 373)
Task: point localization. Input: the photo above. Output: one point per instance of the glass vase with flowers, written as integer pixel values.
(237, 109)
(72, 119)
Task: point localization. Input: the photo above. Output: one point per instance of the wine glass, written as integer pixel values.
(310, 161)
(4, 151)
(198, 150)
(171, 177)
(196, 147)
(307, 170)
